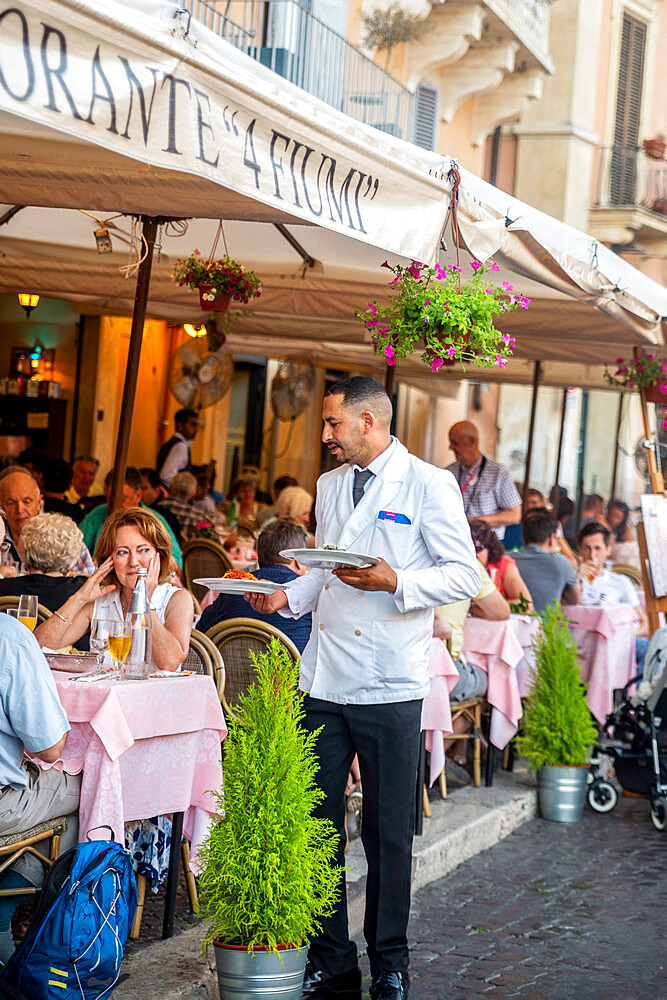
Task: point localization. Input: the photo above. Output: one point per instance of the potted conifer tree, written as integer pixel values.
(269, 868)
(557, 727)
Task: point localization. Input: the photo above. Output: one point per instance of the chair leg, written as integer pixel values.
(190, 883)
(508, 756)
(490, 764)
(442, 782)
(426, 803)
(477, 746)
(347, 836)
(54, 852)
(135, 929)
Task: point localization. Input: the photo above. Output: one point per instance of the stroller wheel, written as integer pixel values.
(659, 812)
(602, 796)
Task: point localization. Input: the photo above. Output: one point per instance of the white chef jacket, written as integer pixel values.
(370, 647)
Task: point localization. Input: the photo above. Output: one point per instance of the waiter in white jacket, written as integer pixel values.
(366, 666)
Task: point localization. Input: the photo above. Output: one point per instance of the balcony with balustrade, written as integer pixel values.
(287, 38)
(630, 203)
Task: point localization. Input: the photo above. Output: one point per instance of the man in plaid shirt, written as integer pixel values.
(486, 486)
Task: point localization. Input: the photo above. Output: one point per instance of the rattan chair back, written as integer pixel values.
(203, 557)
(13, 602)
(204, 658)
(236, 639)
(631, 572)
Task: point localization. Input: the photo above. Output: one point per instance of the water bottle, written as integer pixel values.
(233, 513)
(138, 662)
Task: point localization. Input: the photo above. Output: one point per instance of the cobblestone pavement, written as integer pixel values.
(553, 912)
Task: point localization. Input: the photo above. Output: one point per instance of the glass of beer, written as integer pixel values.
(119, 641)
(28, 611)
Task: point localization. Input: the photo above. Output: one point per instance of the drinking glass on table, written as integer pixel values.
(99, 637)
(28, 611)
(119, 641)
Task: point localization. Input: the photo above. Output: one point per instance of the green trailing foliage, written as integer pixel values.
(269, 863)
(557, 725)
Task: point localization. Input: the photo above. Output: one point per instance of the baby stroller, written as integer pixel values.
(634, 736)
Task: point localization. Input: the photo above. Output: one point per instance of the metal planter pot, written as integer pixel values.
(561, 793)
(260, 975)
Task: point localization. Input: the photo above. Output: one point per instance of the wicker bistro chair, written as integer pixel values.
(203, 557)
(631, 572)
(13, 602)
(15, 845)
(235, 639)
(202, 658)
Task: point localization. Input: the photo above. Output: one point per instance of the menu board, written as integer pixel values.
(654, 516)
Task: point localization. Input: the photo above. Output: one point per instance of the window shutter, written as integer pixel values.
(426, 116)
(628, 108)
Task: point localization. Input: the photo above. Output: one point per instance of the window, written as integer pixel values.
(426, 116)
(623, 180)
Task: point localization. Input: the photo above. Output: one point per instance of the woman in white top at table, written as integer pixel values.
(130, 539)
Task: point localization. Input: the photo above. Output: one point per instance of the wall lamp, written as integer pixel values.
(28, 301)
(195, 331)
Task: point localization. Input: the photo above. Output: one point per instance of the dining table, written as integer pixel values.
(145, 748)
(605, 638)
(504, 650)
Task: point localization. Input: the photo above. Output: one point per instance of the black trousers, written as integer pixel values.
(386, 739)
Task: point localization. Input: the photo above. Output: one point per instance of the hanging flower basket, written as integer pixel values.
(642, 371)
(452, 318)
(218, 281)
(210, 300)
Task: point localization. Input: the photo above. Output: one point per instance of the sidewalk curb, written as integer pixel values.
(470, 821)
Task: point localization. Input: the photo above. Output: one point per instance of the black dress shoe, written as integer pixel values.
(318, 986)
(390, 986)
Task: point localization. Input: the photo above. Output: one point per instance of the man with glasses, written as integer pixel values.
(486, 486)
(84, 472)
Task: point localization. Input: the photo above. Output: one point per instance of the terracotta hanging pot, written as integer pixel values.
(655, 148)
(450, 362)
(653, 394)
(209, 301)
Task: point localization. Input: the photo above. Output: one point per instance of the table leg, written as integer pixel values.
(172, 877)
(490, 763)
(421, 775)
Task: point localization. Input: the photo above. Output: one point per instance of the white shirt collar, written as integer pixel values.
(381, 460)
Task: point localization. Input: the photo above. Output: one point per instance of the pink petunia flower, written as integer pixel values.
(494, 266)
(619, 361)
(390, 354)
(451, 351)
(663, 388)
(437, 363)
(455, 268)
(524, 302)
(414, 269)
(664, 423)
(475, 265)
(508, 287)
(372, 308)
(500, 361)
(386, 264)
(427, 302)
(440, 272)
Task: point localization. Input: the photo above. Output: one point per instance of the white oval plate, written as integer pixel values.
(223, 586)
(329, 558)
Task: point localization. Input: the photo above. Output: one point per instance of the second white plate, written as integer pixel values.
(223, 586)
(329, 558)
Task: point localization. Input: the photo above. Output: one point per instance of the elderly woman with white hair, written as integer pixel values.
(295, 504)
(49, 546)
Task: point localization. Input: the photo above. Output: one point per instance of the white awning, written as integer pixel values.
(105, 106)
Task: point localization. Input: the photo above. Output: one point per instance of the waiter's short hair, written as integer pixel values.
(361, 392)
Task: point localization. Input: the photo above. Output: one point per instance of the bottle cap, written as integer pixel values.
(142, 571)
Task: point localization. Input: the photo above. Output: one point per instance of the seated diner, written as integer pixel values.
(130, 538)
(546, 572)
(49, 546)
(501, 568)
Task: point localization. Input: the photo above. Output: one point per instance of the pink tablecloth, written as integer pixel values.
(499, 648)
(436, 713)
(605, 639)
(145, 747)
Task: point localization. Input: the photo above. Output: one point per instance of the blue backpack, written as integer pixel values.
(75, 942)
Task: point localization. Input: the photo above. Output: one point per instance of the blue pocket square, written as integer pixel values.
(390, 515)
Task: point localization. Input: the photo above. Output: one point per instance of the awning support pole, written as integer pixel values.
(556, 497)
(614, 471)
(149, 230)
(537, 375)
(583, 428)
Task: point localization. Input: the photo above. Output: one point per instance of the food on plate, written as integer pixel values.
(335, 548)
(238, 574)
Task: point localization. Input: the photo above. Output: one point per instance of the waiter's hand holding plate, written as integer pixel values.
(267, 604)
(378, 577)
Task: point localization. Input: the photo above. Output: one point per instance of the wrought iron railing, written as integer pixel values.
(288, 39)
(628, 177)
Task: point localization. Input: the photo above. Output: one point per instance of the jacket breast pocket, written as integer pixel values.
(393, 540)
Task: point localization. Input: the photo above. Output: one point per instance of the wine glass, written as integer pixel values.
(28, 611)
(119, 640)
(99, 637)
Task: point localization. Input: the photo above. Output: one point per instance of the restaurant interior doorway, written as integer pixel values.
(246, 417)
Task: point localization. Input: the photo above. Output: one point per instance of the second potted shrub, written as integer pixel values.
(558, 731)
(269, 868)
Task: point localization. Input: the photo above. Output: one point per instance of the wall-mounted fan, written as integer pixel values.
(199, 377)
(641, 461)
(292, 389)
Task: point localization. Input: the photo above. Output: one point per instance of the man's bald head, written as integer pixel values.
(20, 497)
(464, 442)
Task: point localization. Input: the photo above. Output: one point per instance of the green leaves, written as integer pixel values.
(270, 869)
(557, 725)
